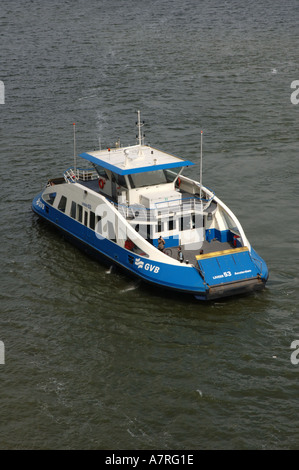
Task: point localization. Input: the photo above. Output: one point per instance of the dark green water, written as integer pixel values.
(93, 360)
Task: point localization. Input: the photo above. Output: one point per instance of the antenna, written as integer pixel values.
(140, 125)
(200, 181)
(75, 158)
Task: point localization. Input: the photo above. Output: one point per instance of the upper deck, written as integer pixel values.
(134, 159)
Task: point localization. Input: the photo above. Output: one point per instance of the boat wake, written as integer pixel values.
(131, 287)
(110, 270)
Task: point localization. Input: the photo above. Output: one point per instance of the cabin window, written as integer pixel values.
(119, 179)
(73, 210)
(185, 223)
(62, 204)
(159, 227)
(193, 221)
(197, 221)
(171, 224)
(49, 198)
(85, 218)
(52, 197)
(150, 178)
(101, 171)
(79, 213)
(111, 232)
(98, 224)
(145, 230)
(92, 220)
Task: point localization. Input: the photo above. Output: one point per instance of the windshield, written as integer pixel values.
(150, 178)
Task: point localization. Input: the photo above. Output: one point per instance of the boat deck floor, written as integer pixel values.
(91, 184)
(207, 247)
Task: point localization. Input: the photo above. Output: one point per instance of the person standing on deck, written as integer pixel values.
(180, 254)
(161, 243)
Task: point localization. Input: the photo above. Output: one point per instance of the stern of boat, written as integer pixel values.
(231, 272)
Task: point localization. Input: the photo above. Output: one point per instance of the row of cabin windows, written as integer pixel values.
(76, 213)
(170, 225)
(185, 223)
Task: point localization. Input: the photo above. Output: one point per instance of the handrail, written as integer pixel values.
(69, 176)
(83, 174)
(257, 262)
(144, 213)
(201, 271)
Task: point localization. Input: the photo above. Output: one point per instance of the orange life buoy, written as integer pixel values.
(101, 183)
(179, 182)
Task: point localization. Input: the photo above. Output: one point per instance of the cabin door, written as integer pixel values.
(192, 232)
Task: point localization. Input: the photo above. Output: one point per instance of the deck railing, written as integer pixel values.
(163, 209)
(257, 262)
(80, 174)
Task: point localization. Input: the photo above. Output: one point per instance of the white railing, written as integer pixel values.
(179, 205)
(163, 209)
(81, 174)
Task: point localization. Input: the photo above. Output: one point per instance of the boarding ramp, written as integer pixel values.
(229, 271)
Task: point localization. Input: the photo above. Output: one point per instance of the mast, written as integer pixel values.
(200, 180)
(140, 136)
(139, 129)
(75, 158)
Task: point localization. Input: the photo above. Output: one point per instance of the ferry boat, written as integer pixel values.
(131, 206)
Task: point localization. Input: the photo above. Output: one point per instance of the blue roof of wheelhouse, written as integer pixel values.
(134, 159)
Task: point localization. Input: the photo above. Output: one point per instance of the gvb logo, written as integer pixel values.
(2, 353)
(2, 92)
(294, 355)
